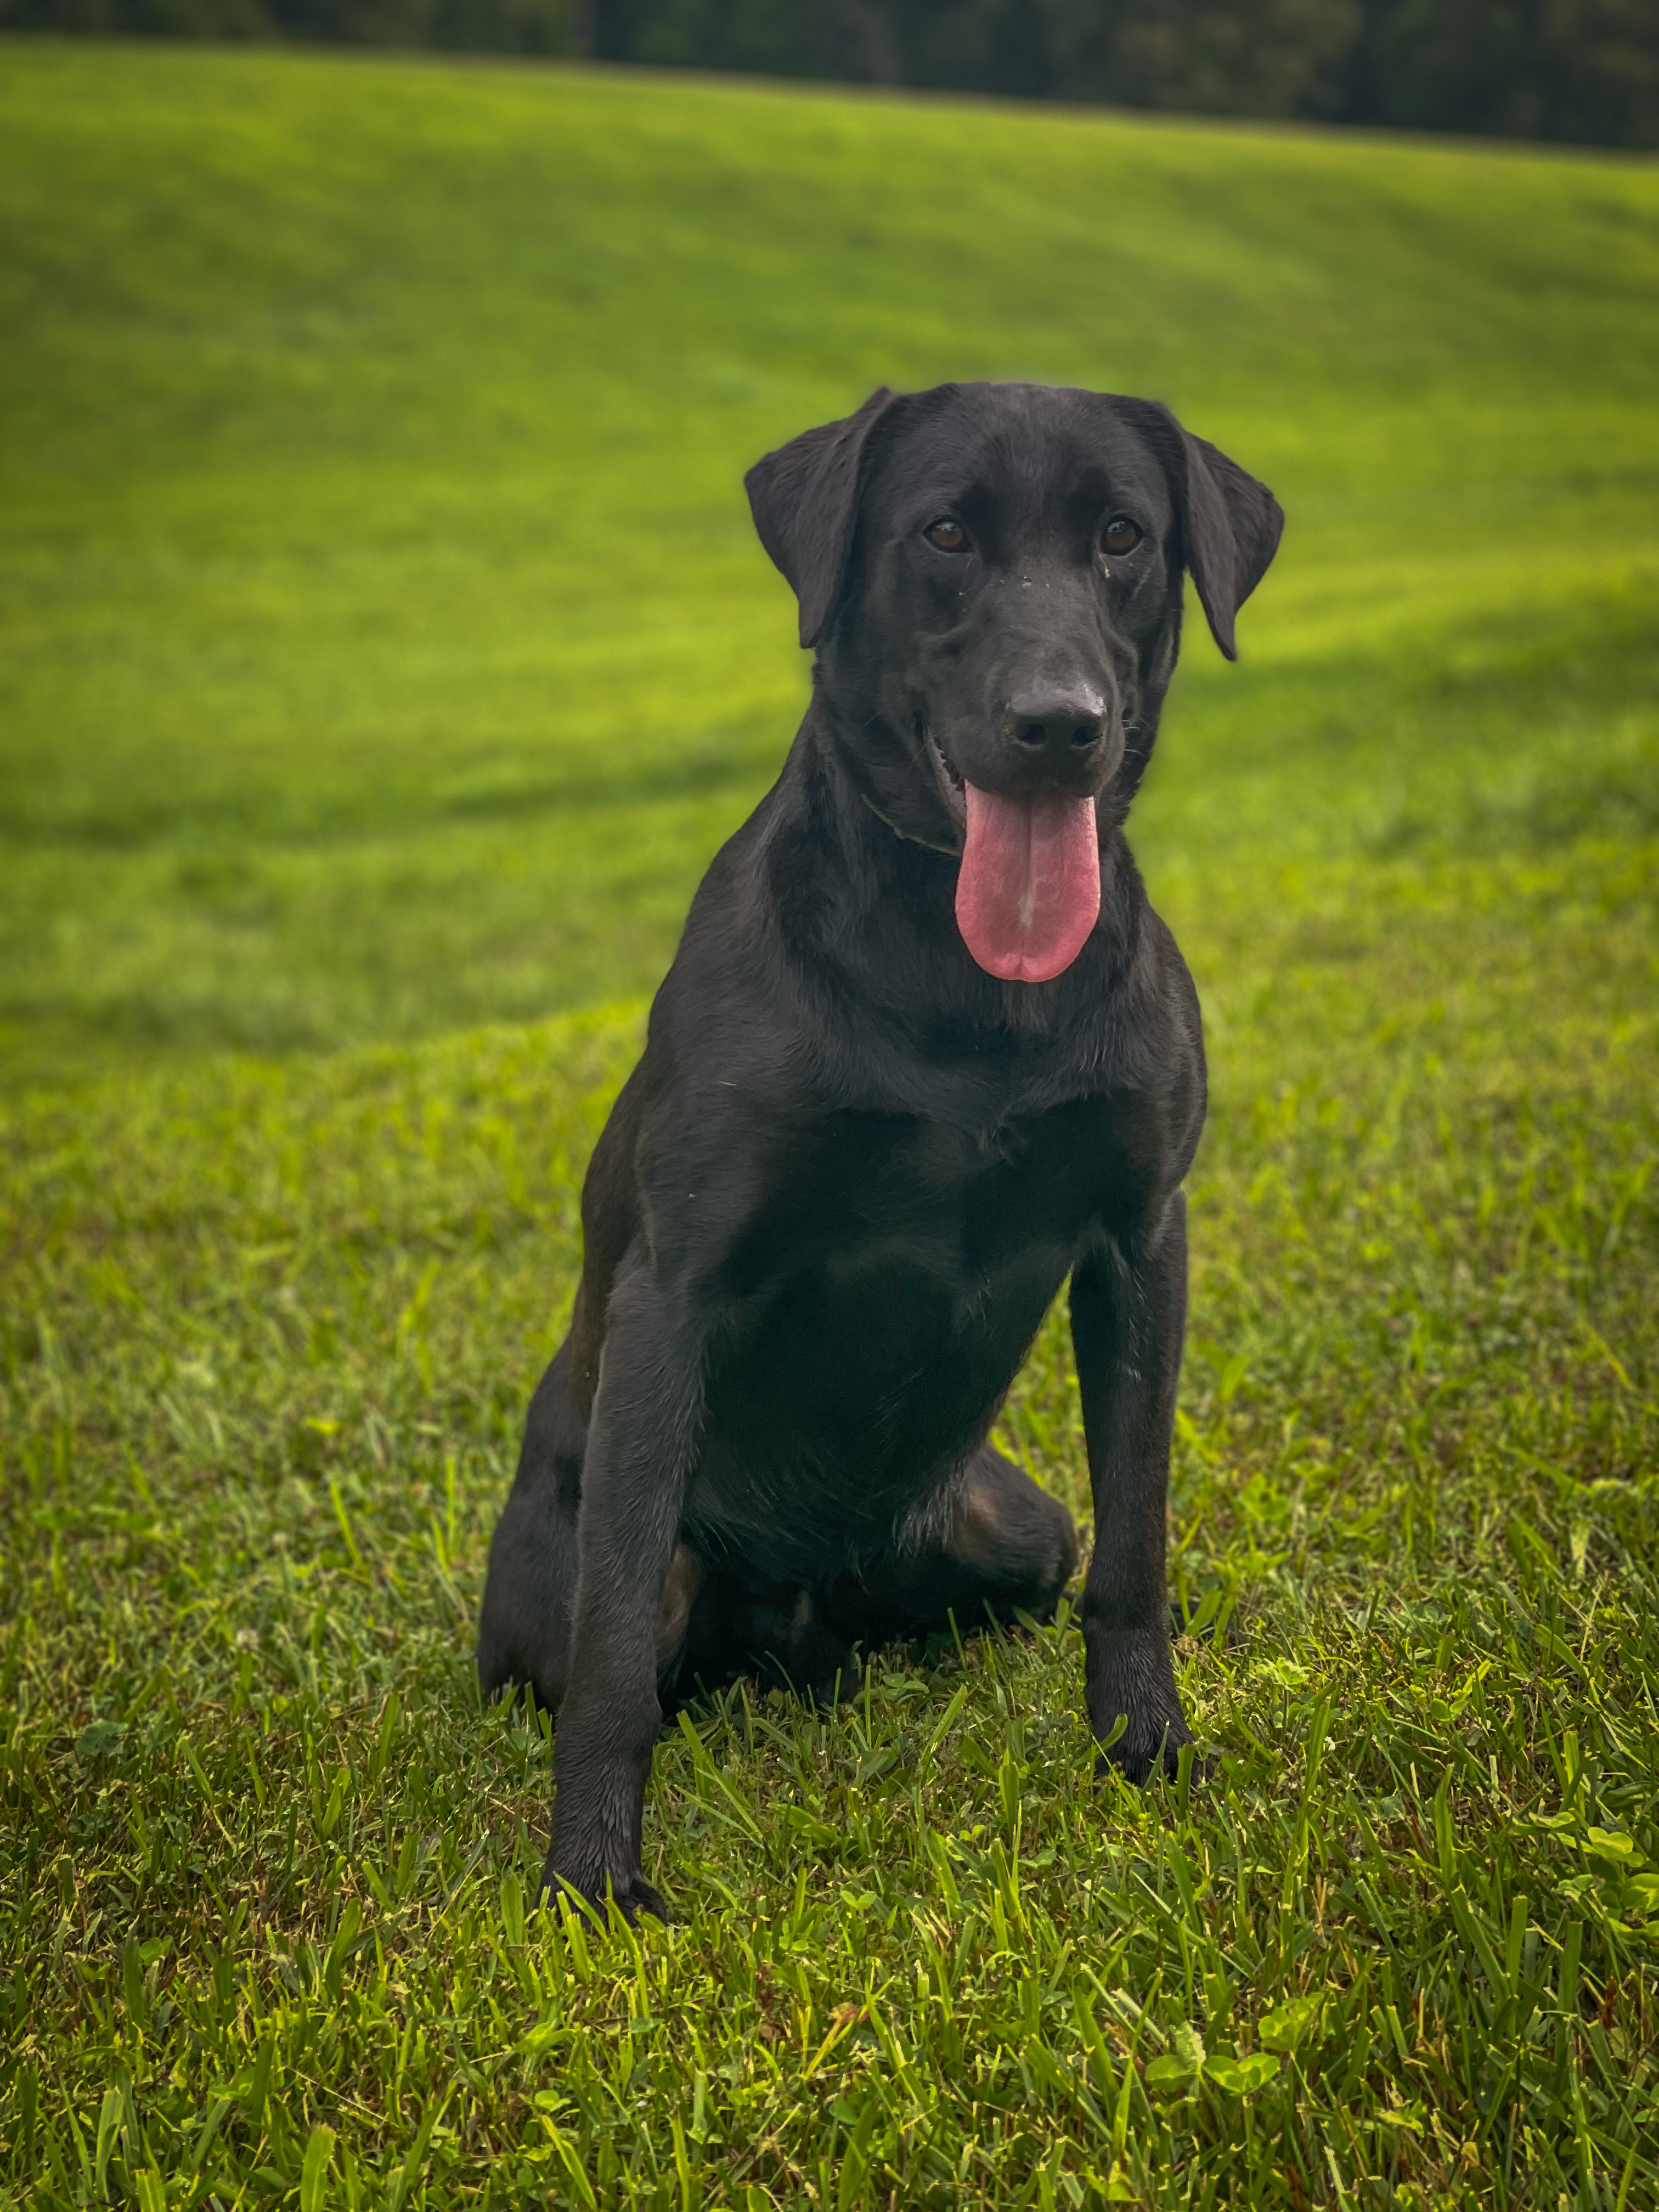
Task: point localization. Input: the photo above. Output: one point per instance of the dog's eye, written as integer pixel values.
(947, 533)
(1119, 535)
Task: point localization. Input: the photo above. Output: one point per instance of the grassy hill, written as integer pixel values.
(383, 650)
(385, 645)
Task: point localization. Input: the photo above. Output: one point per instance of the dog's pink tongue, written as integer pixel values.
(1029, 892)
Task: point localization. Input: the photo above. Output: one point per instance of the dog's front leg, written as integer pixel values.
(641, 1441)
(1128, 1313)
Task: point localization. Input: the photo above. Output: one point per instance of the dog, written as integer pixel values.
(925, 1052)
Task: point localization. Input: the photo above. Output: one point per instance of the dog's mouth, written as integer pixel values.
(1028, 892)
(952, 786)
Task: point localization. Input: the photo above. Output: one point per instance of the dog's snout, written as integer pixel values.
(1059, 723)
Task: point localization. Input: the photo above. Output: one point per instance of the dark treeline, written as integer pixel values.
(1584, 70)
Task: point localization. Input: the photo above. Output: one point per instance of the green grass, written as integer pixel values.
(382, 652)
(384, 645)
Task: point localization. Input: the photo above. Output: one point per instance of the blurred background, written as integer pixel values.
(1577, 69)
(384, 644)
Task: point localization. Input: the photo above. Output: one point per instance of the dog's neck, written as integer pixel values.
(874, 902)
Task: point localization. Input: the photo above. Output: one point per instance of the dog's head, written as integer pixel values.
(992, 576)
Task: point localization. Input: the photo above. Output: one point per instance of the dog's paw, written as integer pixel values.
(1134, 1707)
(592, 1894)
(1141, 1755)
(829, 1675)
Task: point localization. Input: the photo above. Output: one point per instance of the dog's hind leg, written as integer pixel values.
(1005, 1548)
(778, 1634)
(523, 1630)
(1016, 1546)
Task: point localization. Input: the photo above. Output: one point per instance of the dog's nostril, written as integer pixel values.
(1031, 733)
(1085, 735)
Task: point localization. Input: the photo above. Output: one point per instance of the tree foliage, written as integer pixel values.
(1584, 70)
(533, 26)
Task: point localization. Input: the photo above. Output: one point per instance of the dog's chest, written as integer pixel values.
(861, 1203)
(881, 1298)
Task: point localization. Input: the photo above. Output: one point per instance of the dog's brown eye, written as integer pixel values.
(947, 533)
(1119, 535)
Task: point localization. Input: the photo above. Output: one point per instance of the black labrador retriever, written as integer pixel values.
(925, 1051)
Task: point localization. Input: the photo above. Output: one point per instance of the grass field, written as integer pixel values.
(383, 651)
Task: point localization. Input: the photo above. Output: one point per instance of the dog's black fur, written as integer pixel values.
(851, 1170)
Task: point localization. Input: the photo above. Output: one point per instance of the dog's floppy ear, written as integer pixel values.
(804, 501)
(1230, 524)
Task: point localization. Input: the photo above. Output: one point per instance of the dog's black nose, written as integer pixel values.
(1062, 723)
